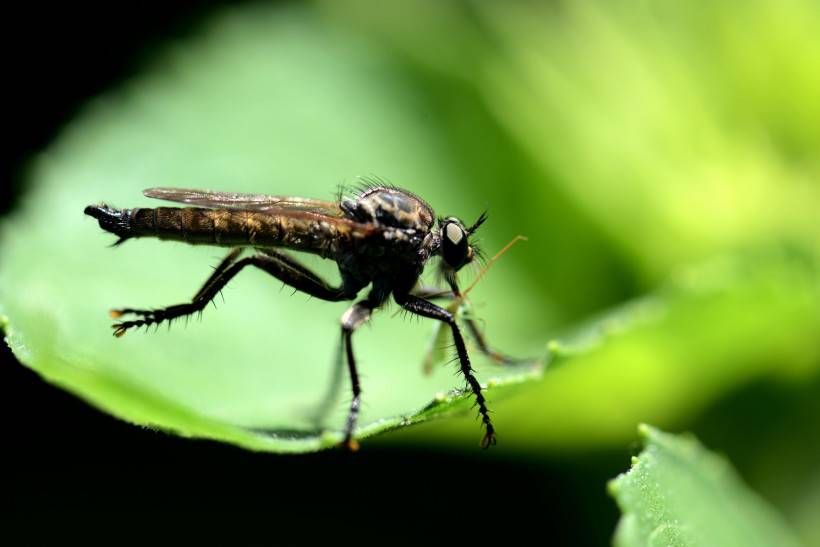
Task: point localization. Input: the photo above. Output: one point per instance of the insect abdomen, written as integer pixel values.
(192, 225)
(196, 225)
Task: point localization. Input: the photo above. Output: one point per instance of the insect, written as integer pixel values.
(382, 237)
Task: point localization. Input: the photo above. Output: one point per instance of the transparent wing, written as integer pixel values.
(248, 202)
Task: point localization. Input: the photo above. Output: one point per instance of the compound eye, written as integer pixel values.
(454, 245)
(454, 233)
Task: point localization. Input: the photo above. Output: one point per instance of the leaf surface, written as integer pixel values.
(680, 494)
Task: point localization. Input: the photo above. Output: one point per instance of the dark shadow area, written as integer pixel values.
(66, 460)
(60, 55)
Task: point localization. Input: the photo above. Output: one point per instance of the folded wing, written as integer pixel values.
(248, 202)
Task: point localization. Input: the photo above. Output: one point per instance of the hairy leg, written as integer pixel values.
(300, 278)
(425, 308)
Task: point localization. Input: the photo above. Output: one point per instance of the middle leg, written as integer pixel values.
(353, 318)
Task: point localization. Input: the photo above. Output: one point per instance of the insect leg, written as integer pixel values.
(498, 358)
(218, 271)
(292, 263)
(425, 308)
(353, 318)
(300, 279)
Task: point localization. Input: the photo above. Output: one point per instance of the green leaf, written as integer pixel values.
(679, 494)
(282, 101)
(264, 100)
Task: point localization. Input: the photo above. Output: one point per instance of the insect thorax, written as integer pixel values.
(390, 207)
(397, 251)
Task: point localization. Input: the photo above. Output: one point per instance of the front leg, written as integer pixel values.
(425, 308)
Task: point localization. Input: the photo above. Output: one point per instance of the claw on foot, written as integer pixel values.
(352, 445)
(119, 329)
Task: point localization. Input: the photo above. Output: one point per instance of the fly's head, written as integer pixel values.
(455, 247)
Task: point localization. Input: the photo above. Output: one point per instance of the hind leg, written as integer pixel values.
(286, 270)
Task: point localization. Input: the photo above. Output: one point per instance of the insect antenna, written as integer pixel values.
(491, 261)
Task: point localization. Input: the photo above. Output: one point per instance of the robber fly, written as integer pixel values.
(383, 236)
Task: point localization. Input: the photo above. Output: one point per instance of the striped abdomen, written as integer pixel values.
(298, 230)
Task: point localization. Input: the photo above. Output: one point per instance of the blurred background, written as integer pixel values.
(662, 159)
